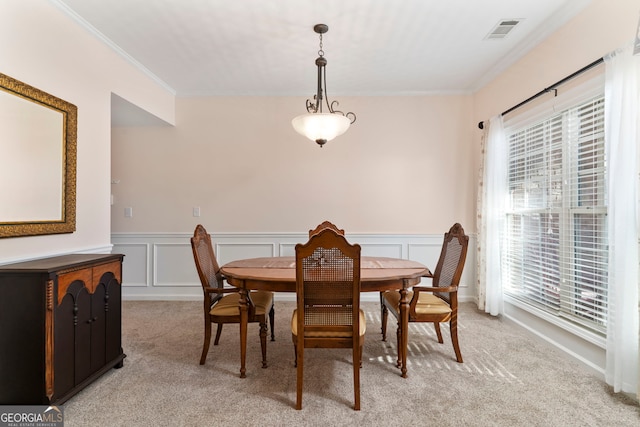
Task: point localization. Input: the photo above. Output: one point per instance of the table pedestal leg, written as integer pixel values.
(244, 321)
(404, 334)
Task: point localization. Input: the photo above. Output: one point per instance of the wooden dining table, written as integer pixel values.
(278, 274)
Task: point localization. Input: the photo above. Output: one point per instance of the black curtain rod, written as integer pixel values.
(550, 88)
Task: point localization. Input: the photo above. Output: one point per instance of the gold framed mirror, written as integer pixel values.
(38, 139)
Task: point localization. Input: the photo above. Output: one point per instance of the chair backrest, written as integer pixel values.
(205, 259)
(328, 284)
(323, 225)
(452, 258)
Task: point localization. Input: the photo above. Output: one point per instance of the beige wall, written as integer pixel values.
(404, 167)
(43, 47)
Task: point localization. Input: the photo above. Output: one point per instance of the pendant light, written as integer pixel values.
(317, 125)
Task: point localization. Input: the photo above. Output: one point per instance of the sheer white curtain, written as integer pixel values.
(480, 259)
(491, 206)
(622, 83)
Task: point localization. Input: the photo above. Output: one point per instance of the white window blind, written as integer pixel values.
(556, 248)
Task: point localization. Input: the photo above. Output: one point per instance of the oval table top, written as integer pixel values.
(279, 273)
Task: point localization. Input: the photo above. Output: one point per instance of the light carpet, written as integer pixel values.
(509, 378)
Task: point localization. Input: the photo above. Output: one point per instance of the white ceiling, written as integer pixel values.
(268, 47)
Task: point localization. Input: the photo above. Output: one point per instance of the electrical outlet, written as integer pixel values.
(196, 211)
(128, 212)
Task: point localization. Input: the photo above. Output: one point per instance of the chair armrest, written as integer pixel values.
(451, 290)
(216, 290)
(435, 289)
(252, 308)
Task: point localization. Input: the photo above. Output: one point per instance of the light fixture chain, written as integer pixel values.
(321, 52)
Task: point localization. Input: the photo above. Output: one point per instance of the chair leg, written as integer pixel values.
(295, 354)
(453, 325)
(263, 342)
(272, 315)
(357, 354)
(300, 365)
(218, 332)
(399, 344)
(207, 341)
(438, 332)
(384, 317)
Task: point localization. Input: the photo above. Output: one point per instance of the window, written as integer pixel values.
(556, 251)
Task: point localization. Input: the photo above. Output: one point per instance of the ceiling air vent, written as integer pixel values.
(503, 28)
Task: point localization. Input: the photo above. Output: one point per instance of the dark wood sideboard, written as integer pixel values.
(60, 326)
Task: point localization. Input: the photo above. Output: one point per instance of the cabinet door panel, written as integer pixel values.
(98, 327)
(83, 335)
(113, 314)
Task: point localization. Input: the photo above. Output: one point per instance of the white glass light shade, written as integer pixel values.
(321, 126)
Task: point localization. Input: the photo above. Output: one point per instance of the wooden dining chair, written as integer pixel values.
(222, 303)
(323, 225)
(327, 313)
(436, 303)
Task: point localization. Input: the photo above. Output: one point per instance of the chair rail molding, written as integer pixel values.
(160, 266)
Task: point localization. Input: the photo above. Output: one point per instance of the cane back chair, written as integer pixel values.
(222, 303)
(439, 302)
(327, 313)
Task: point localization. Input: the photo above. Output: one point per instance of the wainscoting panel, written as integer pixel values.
(160, 266)
(136, 266)
(288, 249)
(226, 252)
(391, 250)
(173, 265)
(419, 251)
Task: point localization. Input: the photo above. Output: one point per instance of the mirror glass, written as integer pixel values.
(38, 162)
